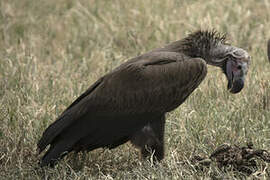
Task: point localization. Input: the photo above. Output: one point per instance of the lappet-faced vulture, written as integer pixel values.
(130, 103)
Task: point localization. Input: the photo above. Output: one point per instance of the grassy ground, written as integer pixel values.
(51, 51)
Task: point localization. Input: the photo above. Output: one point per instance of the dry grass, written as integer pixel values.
(51, 51)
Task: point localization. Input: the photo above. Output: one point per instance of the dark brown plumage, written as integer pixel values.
(130, 103)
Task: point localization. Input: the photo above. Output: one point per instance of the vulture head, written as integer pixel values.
(235, 66)
(234, 63)
(212, 47)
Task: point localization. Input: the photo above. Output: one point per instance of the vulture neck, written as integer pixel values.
(202, 44)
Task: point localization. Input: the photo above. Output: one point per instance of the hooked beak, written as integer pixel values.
(235, 72)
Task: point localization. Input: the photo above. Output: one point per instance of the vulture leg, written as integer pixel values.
(150, 139)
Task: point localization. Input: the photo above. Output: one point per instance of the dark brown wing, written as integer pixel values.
(115, 105)
(158, 82)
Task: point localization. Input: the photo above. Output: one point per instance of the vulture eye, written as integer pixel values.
(239, 67)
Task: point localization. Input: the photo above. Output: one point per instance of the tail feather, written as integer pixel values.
(68, 117)
(53, 131)
(89, 133)
(57, 151)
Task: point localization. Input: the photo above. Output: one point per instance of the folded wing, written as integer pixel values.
(123, 101)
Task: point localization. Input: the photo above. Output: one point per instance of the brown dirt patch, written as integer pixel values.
(233, 157)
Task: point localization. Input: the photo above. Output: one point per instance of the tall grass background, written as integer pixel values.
(51, 51)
